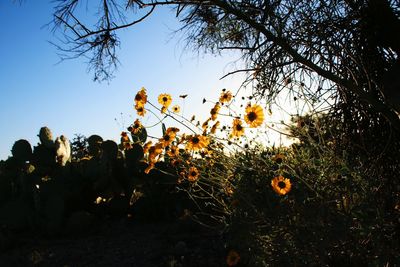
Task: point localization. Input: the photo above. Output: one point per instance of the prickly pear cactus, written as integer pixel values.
(140, 136)
(110, 150)
(46, 137)
(94, 142)
(44, 159)
(22, 150)
(134, 155)
(63, 150)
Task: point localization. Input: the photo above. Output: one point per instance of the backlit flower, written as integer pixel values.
(225, 97)
(196, 142)
(254, 116)
(233, 258)
(165, 100)
(205, 125)
(172, 130)
(173, 151)
(154, 151)
(237, 128)
(141, 97)
(149, 167)
(214, 127)
(281, 185)
(136, 126)
(168, 137)
(193, 174)
(127, 145)
(278, 158)
(140, 110)
(124, 137)
(147, 146)
(214, 111)
(176, 109)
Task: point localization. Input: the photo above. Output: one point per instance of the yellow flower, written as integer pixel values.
(165, 100)
(237, 128)
(127, 146)
(193, 174)
(214, 127)
(205, 125)
(147, 146)
(169, 136)
(233, 258)
(196, 142)
(172, 130)
(225, 97)
(149, 167)
(136, 126)
(214, 111)
(281, 185)
(254, 115)
(278, 158)
(176, 162)
(140, 109)
(124, 137)
(176, 109)
(141, 97)
(154, 151)
(163, 109)
(228, 190)
(173, 151)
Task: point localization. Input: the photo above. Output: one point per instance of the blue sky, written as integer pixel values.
(35, 91)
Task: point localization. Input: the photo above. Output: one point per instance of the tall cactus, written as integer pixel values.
(63, 150)
(22, 150)
(46, 137)
(94, 142)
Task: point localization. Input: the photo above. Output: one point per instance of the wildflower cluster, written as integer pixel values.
(188, 152)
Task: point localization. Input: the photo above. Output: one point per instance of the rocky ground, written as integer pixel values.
(119, 243)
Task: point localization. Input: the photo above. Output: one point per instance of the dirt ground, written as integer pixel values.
(119, 243)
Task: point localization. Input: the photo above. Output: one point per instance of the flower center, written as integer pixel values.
(165, 99)
(239, 127)
(167, 137)
(252, 116)
(193, 173)
(281, 184)
(195, 140)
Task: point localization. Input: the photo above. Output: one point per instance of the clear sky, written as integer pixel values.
(35, 91)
